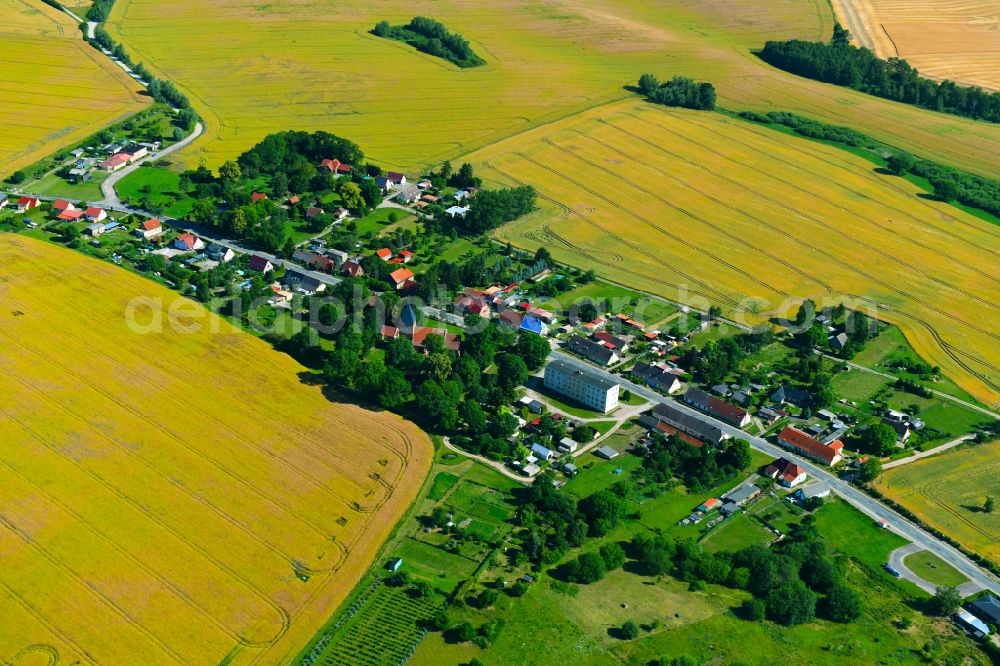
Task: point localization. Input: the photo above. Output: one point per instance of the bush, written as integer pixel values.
(753, 609)
(842, 604)
(630, 630)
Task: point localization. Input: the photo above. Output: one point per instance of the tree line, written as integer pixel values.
(159, 89)
(949, 183)
(431, 37)
(845, 65)
(678, 91)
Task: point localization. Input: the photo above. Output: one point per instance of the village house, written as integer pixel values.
(94, 230)
(657, 376)
(408, 194)
(339, 256)
(149, 229)
(785, 472)
(790, 395)
(25, 204)
(592, 351)
(901, 428)
(610, 341)
(385, 254)
(418, 337)
(720, 409)
(70, 215)
(298, 281)
(313, 212)
(470, 305)
(61, 205)
(115, 162)
(400, 277)
(317, 261)
(352, 268)
(335, 166)
(258, 196)
(219, 253)
(828, 454)
(691, 424)
(456, 211)
(94, 214)
(533, 325)
(261, 264)
(188, 242)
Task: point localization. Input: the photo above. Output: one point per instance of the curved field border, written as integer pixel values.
(55, 89)
(77, 442)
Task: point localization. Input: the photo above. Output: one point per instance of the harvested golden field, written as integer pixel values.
(311, 64)
(179, 496)
(943, 39)
(55, 89)
(705, 209)
(948, 491)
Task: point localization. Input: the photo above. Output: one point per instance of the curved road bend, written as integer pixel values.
(853, 496)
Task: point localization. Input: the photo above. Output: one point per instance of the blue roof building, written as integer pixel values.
(533, 325)
(542, 452)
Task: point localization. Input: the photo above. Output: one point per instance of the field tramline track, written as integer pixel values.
(874, 249)
(827, 287)
(719, 296)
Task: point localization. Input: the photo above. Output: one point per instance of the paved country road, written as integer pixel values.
(871, 507)
(111, 199)
(930, 452)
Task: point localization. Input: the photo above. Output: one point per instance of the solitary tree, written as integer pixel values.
(945, 601)
(870, 469)
(988, 504)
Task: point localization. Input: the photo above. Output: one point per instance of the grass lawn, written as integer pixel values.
(299, 231)
(377, 220)
(857, 385)
(665, 511)
(715, 331)
(437, 566)
(736, 532)
(597, 473)
(481, 501)
(443, 482)
(634, 399)
(602, 427)
(53, 185)
(950, 418)
(855, 534)
(933, 569)
(457, 249)
(160, 186)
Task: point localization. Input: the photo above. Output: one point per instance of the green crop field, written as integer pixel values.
(705, 209)
(948, 492)
(310, 64)
(54, 89)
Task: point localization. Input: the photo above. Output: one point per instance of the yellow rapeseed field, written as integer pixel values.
(173, 498)
(251, 69)
(943, 39)
(706, 209)
(948, 491)
(54, 88)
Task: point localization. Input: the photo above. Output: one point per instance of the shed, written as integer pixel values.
(606, 452)
(395, 564)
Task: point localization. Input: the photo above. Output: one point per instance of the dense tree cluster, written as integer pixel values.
(490, 209)
(718, 358)
(431, 37)
(860, 69)
(292, 151)
(789, 581)
(100, 10)
(697, 467)
(678, 91)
